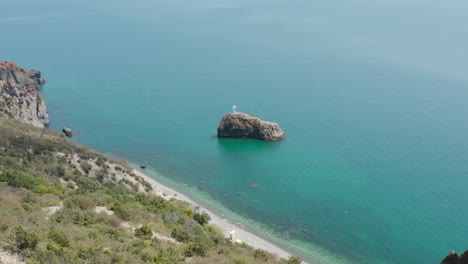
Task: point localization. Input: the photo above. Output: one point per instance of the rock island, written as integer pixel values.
(242, 125)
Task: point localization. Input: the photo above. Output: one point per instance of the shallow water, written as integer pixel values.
(371, 94)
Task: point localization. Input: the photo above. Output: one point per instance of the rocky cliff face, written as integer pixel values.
(241, 125)
(20, 97)
(454, 258)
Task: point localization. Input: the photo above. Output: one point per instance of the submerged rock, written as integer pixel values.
(20, 97)
(242, 125)
(454, 258)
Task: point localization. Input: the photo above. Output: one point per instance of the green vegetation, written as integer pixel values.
(144, 232)
(49, 193)
(202, 218)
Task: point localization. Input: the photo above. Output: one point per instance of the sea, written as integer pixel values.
(373, 96)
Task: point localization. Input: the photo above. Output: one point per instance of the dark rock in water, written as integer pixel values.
(143, 166)
(20, 96)
(454, 258)
(242, 125)
(67, 131)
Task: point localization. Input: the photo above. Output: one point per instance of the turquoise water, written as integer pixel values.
(372, 95)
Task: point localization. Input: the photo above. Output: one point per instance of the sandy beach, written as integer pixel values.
(225, 225)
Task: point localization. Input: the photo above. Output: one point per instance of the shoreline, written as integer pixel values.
(220, 221)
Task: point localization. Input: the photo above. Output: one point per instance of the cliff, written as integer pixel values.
(454, 258)
(20, 96)
(242, 125)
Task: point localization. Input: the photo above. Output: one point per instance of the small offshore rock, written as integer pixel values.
(242, 125)
(67, 131)
(143, 166)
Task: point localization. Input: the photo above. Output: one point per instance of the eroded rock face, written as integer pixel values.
(20, 97)
(242, 125)
(454, 258)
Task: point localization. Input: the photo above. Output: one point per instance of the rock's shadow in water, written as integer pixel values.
(246, 146)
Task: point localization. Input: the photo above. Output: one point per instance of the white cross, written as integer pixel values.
(234, 108)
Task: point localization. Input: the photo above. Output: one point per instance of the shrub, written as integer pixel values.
(215, 233)
(294, 260)
(28, 198)
(87, 185)
(101, 175)
(54, 248)
(152, 203)
(180, 235)
(100, 161)
(144, 232)
(80, 201)
(148, 186)
(75, 216)
(43, 189)
(240, 260)
(86, 154)
(51, 253)
(59, 237)
(202, 218)
(85, 166)
(60, 171)
(121, 212)
(188, 212)
(87, 253)
(196, 249)
(155, 258)
(114, 257)
(3, 226)
(25, 239)
(261, 255)
(71, 185)
(21, 180)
